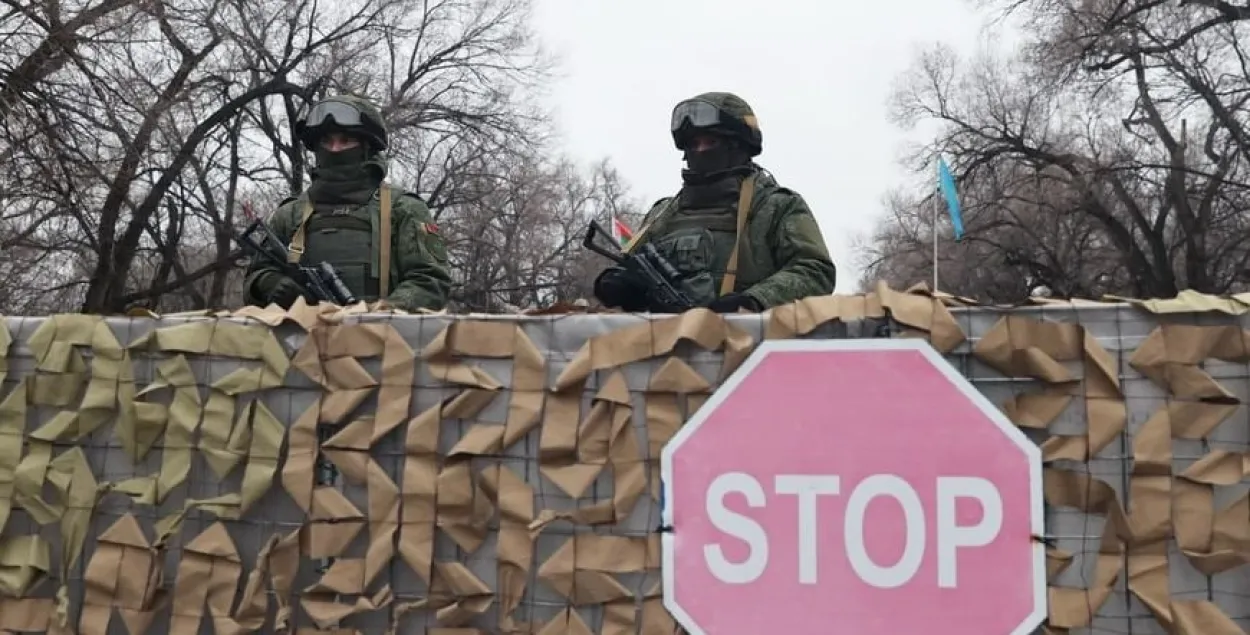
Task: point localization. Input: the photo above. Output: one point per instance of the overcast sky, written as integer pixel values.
(818, 76)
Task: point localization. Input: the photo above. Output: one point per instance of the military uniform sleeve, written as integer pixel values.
(261, 275)
(804, 266)
(423, 276)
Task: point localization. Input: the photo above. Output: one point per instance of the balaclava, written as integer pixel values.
(727, 157)
(347, 176)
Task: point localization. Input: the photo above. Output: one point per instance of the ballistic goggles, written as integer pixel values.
(696, 113)
(342, 114)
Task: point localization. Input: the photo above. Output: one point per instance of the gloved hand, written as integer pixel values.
(617, 287)
(285, 291)
(732, 302)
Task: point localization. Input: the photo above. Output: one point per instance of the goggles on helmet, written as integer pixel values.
(342, 114)
(695, 113)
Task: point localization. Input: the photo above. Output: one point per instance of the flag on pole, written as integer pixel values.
(946, 183)
(621, 232)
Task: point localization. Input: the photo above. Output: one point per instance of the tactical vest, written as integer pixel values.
(346, 236)
(716, 248)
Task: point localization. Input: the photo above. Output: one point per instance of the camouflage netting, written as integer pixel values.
(157, 474)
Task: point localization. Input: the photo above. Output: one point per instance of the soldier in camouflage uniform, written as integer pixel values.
(740, 240)
(382, 240)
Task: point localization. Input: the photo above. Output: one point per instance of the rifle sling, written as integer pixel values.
(384, 278)
(295, 251)
(745, 194)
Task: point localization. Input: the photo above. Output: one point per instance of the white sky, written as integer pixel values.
(818, 76)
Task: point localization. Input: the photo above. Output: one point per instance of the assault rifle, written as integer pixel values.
(648, 264)
(321, 280)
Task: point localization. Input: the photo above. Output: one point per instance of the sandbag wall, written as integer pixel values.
(499, 474)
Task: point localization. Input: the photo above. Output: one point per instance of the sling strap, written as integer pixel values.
(384, 250)
(744, 208)
(642, 231)
(296, 249)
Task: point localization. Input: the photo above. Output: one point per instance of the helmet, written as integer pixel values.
(348, 113)
(722, 113)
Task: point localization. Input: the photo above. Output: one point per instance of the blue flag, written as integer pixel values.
(946, 183)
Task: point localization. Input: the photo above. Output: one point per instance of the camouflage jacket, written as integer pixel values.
(782, 257)
(347, 237)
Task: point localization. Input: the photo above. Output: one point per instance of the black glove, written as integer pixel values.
(618, 287)
(285, 292)
(732, 302)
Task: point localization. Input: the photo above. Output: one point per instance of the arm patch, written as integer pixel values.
(425, 225)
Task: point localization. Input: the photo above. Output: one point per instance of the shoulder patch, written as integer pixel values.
(424, 224)
(424, 215)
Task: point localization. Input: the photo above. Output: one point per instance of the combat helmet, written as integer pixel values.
(348, 113)
(717, 112)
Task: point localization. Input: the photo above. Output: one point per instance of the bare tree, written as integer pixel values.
(1109, 156)
(133, 132)
(519, 246)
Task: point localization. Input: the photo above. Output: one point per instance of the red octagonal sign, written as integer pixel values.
(852, 486)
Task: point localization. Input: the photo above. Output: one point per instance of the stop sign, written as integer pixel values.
(852, 486)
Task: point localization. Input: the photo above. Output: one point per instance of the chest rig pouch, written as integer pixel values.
(703, 240)
(695, 250)
(355, 239)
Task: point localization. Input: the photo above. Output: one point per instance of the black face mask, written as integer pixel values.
(715, 162)
(344, 177)
(343, 164)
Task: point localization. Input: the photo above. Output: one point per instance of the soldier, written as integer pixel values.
(382, 240)
(740, 240)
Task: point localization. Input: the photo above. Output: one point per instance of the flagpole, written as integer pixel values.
(935, 241)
